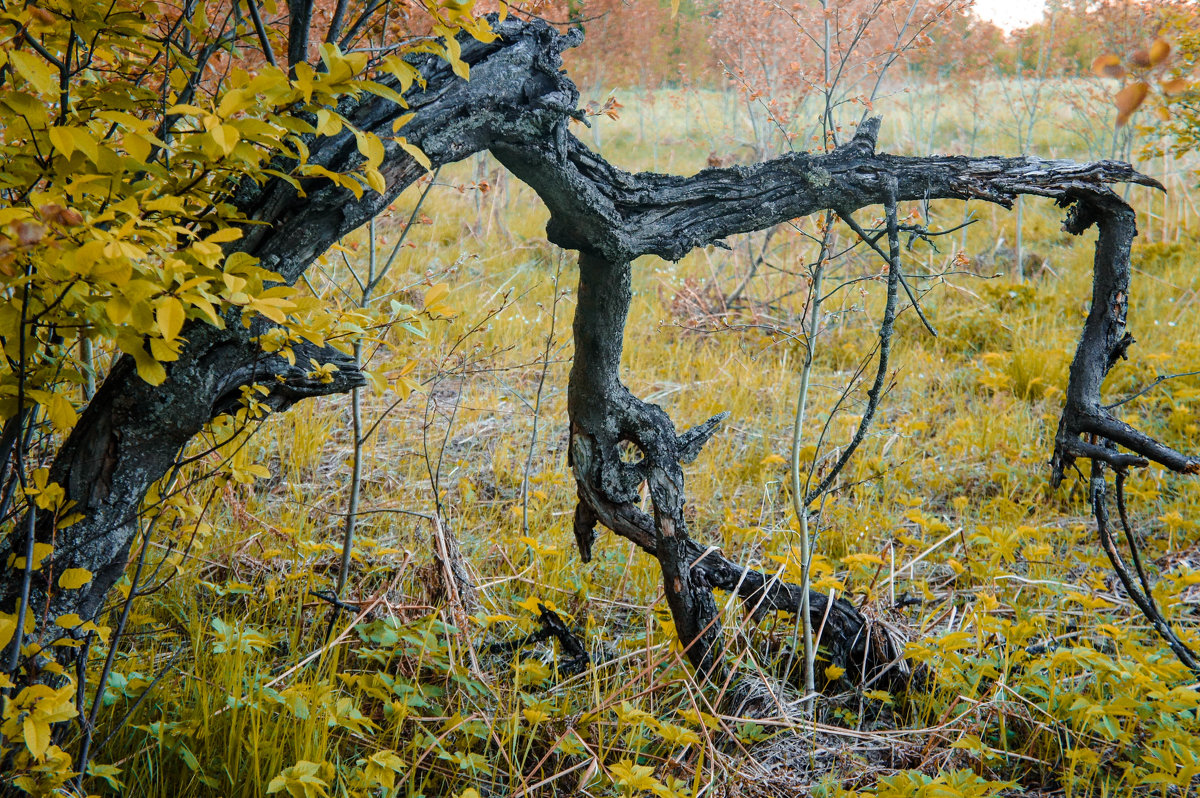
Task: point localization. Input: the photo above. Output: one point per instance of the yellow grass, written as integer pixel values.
(947, 502)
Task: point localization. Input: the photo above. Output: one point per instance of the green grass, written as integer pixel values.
(947, 501)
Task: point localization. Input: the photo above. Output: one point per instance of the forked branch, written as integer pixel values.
(611, 217)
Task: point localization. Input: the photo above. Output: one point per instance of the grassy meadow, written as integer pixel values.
(239, 681)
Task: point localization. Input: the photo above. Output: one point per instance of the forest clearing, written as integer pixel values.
(459, 645)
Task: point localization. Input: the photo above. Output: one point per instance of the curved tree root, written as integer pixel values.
(1140, 592)
(1086, 428)
(604, 416)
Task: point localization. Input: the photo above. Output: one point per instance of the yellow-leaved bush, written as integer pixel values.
(115, 212)
(125, 127)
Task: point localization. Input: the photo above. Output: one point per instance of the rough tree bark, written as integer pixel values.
(518, 104)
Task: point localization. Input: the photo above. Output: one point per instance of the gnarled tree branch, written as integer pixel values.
(518, 104)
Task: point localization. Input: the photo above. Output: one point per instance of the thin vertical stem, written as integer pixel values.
(355, 478)
(798, 504)
(1027, 140)
(89, 724)
(31, 514)
(537, 402)
(827, 125)
(1020, 242)
(87, 357)
(356, 424)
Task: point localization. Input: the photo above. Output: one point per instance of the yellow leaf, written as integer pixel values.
(60, 412)
(137, 146)
(8, 626)
(167, 203)
(232, 102)
(272, 307)
(118, 309)
(114, 271)
(48, 705)
(834, 672)
(1159, 50)
(85, 143)
(375, 180)
(68, 621)
(370, 146)
(224, 235)
(150, 369)
(415, 152)
(436, 294)
(183, 109)
(1129, 99)
(533, 604)
(453, 56)
(62, 140)
(225, 136)
(169, 315)
(305, 80)
(163, 351)
(74, 578)
(377, 380)
(37, 736)
(401, 70)
(383, 91)
(40, 552)
(100, 631)
(404, 387)
(1108, 66)
(40, 74)
(329, 123)
(862, 558)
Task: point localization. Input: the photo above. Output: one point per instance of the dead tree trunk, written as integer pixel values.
(518, 104)
(131, 433)
(612, 217)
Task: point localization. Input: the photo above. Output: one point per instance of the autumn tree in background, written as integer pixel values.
(642, 44)
(1161, 68)
(963, 49)
(834, 52)
(1180, 112)
(1145, 55)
